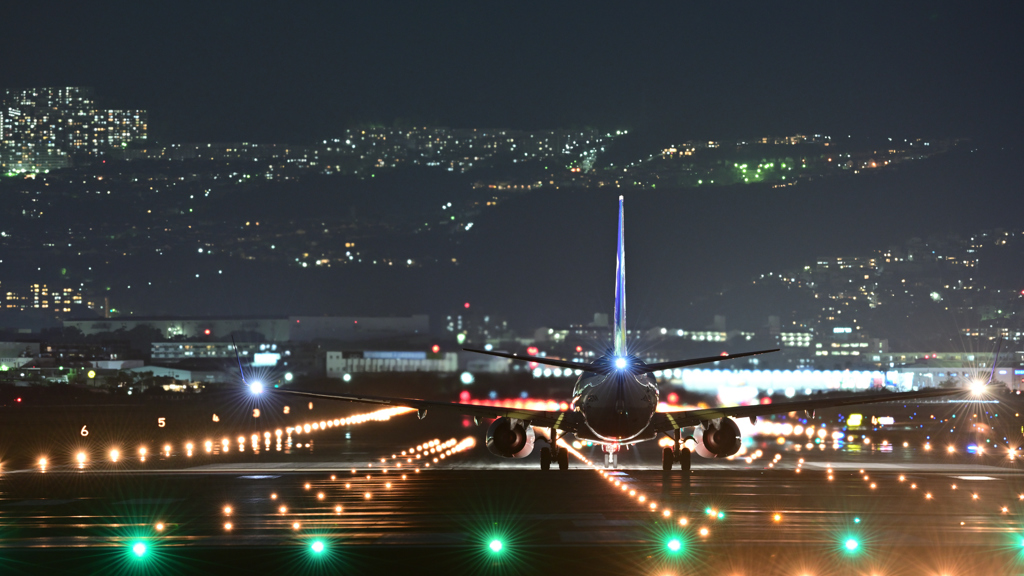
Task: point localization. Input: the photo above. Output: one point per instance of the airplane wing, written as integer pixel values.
(567, 421)
(604, 368)
(665, 421)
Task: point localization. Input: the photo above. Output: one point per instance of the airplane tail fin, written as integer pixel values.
(619, 327)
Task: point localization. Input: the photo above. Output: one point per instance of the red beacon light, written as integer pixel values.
(435, 348)
(532, 350)
(466, 305)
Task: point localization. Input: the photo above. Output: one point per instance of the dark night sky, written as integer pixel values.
(276, 71)
(299, 71)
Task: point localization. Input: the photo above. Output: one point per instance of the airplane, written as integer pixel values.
(614, 403)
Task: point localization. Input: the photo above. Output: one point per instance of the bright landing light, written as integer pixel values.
(139, 549)
(317, 547)
(495, 545)
(620, 363)
(256, 387)
(674, 545)
(851, 544)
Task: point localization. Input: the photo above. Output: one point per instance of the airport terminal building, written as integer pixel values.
(272, 329)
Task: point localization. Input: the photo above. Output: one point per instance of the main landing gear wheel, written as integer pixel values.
(684, 459)
(667, 459)
(563, 459)
(545, 458)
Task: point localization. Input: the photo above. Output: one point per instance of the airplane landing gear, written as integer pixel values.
(611, 456)
(684, 459)
(668, 458)
(545, 458)
(554, 453)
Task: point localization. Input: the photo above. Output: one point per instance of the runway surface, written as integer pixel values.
(899, 511)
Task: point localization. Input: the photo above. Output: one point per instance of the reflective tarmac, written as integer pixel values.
(895, 512)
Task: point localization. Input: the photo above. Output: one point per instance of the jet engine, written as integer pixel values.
(720, 442)
(510, 438)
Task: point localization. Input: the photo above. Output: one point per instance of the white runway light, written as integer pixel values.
(256, 387)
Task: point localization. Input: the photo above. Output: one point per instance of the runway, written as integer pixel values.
(898, 512)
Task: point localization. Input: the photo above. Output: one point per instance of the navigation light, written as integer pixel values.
(495, 545)
(256, 387)
(620, 363)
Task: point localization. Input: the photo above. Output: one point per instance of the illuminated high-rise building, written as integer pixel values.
(40, 128)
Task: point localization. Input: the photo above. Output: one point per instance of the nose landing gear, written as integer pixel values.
(611, 456)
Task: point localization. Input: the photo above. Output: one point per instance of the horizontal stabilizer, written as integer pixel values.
(694, 361)
(546, 361)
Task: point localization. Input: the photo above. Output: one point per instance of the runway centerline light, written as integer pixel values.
(495, 546)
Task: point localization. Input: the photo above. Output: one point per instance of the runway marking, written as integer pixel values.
(423, 538)
(39, 502)
(601, 536)
(602, 523)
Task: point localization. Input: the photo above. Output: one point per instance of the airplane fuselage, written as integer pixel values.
(617, 406)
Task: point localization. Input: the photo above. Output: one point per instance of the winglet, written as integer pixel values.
(619, 327)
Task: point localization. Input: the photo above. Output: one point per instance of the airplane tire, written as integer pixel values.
(684, 459)
(545, 458)
(563, 459)
(667, 459)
